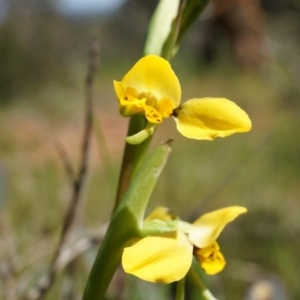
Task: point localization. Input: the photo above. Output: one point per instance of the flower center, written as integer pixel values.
(210, 258)
(147, 103)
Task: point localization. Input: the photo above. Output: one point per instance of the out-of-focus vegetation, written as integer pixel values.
(246, 51)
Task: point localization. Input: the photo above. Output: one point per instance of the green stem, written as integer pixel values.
(132, 157)
(109, 255)
(206, 294)
(180, 289)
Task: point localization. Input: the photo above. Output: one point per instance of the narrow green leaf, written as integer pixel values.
(188, 13)
(160, 26)
(126, 223)
(192, 10)
(137, 196)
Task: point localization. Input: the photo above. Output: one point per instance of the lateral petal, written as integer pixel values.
(208, 118)
(208, 227)
(163, 259)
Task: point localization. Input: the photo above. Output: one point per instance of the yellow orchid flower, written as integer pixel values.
(151, 88)
(167, 257)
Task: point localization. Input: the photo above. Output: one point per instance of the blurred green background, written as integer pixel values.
(244, 50)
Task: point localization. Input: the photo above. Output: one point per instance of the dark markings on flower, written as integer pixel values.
(213, 256)
(175, 112)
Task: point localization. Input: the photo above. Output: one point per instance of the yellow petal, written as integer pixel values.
(128, 101)
(154, 74)
(133, 107)
(208, 118)
(210, 258)
(152, 115)
(161, 213)
(208, 227)
(165, 107)
(130, 94)
(162, 258)
(119, 89)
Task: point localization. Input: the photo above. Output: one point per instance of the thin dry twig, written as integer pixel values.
(46, 281)
(77, 246)
(65, 160)
(69, 252)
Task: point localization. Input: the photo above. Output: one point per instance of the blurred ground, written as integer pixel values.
(42, 102)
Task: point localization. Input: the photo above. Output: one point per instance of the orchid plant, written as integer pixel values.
(161, 247)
